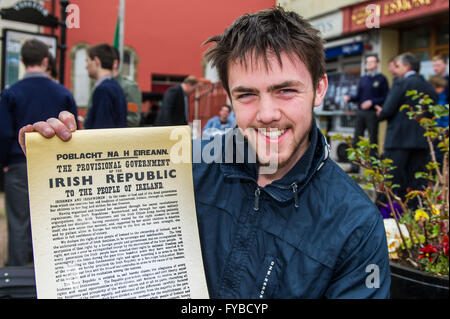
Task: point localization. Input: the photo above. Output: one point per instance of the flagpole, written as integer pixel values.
(121, 31)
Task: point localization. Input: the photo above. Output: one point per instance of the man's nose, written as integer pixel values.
(268, 110)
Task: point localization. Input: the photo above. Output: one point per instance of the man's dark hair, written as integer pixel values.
(105, 54)
(269, 31)
(411, 60)
(33, 52)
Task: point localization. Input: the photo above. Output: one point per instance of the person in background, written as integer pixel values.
(175, 106)
(33, 99)
(404, 141)
(132, 93)
(218, 124)
(108, 106)
(393, 70)
(52, 70)
(372, 90)
(439, 84)
(440, 68)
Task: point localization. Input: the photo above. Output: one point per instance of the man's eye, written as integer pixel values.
(245, 96)
(288, 91)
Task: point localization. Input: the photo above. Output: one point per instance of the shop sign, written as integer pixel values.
(351, 48)
(330, 25)
(29, 12)
(389, 11)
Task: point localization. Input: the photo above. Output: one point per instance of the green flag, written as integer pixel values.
(117, 34)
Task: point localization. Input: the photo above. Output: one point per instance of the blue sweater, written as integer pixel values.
(30, 100)
(374, 88)
(109, 106)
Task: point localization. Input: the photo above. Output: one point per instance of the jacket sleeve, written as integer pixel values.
(6, 127)
(392, 103)
(72, 108)
(363, 271)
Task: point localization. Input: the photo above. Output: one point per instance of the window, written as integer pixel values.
(129, 63)
(81, 83)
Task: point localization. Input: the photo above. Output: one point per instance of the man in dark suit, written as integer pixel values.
(175, 108)
(404, 142)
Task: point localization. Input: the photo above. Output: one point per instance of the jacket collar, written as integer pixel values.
(282, 190)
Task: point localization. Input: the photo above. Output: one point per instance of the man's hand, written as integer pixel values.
(378, 109)
(366, 104)
(63, 127)
(346, 98)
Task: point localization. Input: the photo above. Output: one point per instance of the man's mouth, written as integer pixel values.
(272, 133)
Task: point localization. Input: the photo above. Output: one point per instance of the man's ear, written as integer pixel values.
(321, 90)
(97, 61)
(44, 63)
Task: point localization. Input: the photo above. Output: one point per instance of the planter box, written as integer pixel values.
(408, 283)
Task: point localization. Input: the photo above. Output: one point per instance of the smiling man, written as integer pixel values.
(304, 230)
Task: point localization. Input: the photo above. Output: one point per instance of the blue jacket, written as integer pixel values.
(32, 99)
(324, 248)
(374, 88)
(214, 126)
(109, 106)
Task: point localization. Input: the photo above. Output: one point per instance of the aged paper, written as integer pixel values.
(113, 214)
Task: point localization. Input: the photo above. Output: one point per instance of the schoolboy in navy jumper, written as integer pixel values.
(109, 105)
(34, 98)
(372, 90)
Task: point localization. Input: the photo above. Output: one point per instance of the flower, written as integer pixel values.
(445, 245)
(421, 215)
(434, 210)
(386, 211)
(426, 251)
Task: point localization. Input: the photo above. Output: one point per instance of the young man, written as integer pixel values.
(440, 68)
(218, 124)
(175, 107)
(34, 98)
(404, 142)
(305, 230)
(372, 90)
(108, 106)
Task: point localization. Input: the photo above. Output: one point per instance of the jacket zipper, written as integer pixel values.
(256, 204)
(294, 190)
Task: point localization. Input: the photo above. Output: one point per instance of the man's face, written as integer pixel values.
(393, 68)
(91, 67)
(439, 67)
(279, 100)
(402, 69)
(189, 89)
(224, 113)
(371, 63)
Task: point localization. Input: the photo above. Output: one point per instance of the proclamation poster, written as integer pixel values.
(113, 214)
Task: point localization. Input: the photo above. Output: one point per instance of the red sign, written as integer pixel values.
(373, 14)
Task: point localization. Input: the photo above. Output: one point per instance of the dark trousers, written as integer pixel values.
(366, 119)
(18, 216)
(408, 162)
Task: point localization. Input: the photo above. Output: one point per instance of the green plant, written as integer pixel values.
(423, 229)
